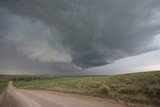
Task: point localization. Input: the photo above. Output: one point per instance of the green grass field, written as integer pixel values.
(3, 83)
(141, 88)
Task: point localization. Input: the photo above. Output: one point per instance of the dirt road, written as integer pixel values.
(27, 98)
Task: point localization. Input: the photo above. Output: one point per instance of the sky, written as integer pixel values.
(79, 37)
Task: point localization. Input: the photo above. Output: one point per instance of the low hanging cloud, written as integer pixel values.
(31, 39)
(86, 33)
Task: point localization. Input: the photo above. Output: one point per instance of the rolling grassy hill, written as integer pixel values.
(141, 88)
(3, 83)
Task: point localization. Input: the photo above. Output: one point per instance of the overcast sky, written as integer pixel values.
(79, 36)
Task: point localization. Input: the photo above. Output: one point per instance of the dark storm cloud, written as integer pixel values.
(94, 32)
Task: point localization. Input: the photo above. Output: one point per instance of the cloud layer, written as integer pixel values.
(32, 40)
(84, 33)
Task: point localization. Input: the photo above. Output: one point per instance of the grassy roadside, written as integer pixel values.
(140, 88)
(3, 83)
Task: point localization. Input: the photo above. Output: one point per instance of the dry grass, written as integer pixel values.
(141, 88)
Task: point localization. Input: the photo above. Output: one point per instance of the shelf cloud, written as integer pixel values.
(81, 33)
